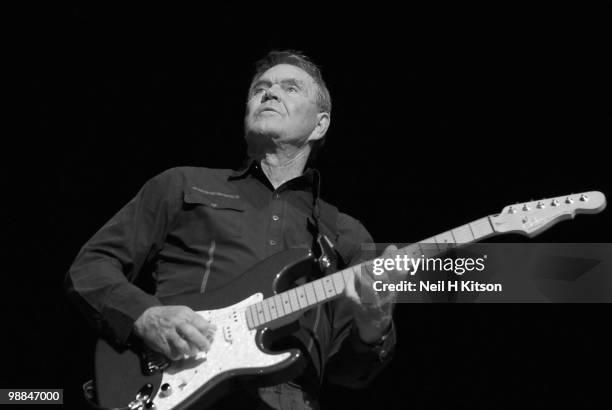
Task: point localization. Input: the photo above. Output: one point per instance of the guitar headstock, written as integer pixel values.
(531, 218)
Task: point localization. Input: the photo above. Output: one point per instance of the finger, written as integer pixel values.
(193, 336)
(350, 291)
(160, 344)
(365, 276)
(390, 250)
(203, 325)
(179, 348)
(399, 272)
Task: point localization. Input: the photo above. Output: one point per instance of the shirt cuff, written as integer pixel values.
(121, 316)
(381, 349)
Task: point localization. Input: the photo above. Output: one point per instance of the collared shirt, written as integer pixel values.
(197, 229)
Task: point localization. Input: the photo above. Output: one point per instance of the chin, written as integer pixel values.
(263, 128)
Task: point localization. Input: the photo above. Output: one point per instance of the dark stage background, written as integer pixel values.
(431, 128)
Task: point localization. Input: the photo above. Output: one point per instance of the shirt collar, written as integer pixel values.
(247, 167)
(252, 167)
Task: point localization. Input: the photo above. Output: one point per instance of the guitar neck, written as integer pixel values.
(327, 288)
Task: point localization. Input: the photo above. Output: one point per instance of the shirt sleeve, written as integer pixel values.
(100, 280)
(352, 362)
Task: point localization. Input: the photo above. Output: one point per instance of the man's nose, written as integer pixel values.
(270, 94)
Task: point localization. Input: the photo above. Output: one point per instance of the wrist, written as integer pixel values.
(374, 334)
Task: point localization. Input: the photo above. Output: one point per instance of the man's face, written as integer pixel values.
(282, 104)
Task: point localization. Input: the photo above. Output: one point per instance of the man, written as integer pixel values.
(197, 229)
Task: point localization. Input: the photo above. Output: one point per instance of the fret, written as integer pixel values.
(444, 238)
(463, 234)
(249, 318)
(338, 283)
(295, 306)
(333, 285)
(328, 286)
(260, 314)
(266, 310)
(272, 305)
(421, 251)
(255, 316)
(414, 252)
(431, 247)
(444, 241)
(286, 303)
(319, 292)
(301, 297)
(310, 295)
(278, 302)
(481, 228)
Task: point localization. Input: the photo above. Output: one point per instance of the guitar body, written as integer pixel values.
(236, 354)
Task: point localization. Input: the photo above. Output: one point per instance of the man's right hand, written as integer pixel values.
(175, 331)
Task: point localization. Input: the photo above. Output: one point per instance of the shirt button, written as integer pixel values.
(275, 217)
(272, 242)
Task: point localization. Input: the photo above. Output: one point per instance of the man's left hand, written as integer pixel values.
(373, 310)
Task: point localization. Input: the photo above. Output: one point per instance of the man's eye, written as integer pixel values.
(292, 89)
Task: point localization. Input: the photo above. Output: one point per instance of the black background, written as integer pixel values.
(433, 125)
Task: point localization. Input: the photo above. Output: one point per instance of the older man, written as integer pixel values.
(197, 229)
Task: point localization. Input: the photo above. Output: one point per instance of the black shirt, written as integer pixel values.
(194, 229)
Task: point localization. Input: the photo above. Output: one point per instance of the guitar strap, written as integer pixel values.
(324, 220)
(323, 225)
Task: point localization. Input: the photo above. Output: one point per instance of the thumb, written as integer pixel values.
(350, 291)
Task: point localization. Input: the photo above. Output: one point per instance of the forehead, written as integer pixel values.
(283, 72)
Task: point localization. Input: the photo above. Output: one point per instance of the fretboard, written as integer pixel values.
(327, 288)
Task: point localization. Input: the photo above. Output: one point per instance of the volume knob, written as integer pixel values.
(165, 390)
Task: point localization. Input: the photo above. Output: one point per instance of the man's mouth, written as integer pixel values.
(268, 109)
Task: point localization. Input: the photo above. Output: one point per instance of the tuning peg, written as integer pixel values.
(584, 197)
(540, 205)
(569, 200)
(554, 203)
(526, 207)
(511, 210)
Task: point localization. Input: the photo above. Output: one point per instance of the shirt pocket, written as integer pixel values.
(223, 215)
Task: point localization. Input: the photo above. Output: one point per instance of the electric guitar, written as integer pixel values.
(247, 311)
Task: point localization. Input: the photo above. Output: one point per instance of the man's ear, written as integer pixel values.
(323, 120)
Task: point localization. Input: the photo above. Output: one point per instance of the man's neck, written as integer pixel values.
(281, 167)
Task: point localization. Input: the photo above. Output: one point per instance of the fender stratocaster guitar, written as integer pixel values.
(247, 310)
